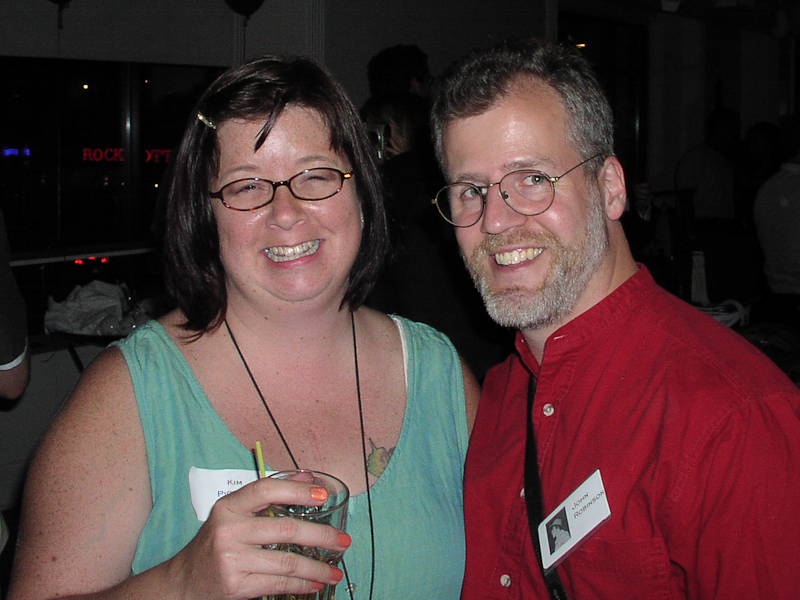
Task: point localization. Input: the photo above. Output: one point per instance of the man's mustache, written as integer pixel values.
(493, 242)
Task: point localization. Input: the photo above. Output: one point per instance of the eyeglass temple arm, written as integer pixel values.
(580, 164)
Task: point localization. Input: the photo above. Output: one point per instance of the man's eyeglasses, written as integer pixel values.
(254, 192)
(529, 192)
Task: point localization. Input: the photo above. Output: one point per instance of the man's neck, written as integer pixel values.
(536, 339)
(606, 281)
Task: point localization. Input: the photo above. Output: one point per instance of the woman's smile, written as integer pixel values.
(287, 253)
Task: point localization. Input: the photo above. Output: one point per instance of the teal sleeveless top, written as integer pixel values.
(417, 502)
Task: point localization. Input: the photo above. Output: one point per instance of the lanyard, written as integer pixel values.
(533, 500)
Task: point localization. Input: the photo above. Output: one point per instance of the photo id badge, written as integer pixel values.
(573, 521)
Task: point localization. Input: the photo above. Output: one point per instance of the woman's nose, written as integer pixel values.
(286, 208)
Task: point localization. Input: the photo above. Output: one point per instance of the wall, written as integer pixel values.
(688, 62)
(676, 94)
(196, 32)
(694, 66)
(343, 33)
(762, 99)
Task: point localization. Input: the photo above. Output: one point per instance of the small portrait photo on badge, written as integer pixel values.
(558, 530)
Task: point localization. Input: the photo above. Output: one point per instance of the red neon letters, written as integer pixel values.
(118, 155)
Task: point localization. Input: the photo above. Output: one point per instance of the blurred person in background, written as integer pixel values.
(14, 358)
(776, 214)
(399, 69)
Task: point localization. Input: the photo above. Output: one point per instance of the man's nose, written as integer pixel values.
(498, 216)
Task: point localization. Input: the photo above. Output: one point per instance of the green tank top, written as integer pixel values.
(417, 502)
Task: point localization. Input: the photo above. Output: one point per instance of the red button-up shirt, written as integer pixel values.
(697, 438)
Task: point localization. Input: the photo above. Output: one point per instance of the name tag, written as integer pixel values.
(206, 486)
(574, 520)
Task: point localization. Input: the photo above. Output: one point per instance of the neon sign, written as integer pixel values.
(118, 155)
(16, 151)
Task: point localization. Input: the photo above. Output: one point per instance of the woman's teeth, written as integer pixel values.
(517, 256)
(284, 253)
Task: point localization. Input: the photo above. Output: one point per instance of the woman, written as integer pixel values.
(274, 234)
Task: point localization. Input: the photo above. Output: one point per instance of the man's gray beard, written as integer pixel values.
(570, 272)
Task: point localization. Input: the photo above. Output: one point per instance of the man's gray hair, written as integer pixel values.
(477, 82)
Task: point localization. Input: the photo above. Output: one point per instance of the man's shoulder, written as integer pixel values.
(686, 344)
(782, 185)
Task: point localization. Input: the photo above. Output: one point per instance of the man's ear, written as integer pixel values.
(611, 182)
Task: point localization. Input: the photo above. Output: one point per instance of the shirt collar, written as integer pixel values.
(617, 305)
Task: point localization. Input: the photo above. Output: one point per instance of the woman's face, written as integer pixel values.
(290, 251)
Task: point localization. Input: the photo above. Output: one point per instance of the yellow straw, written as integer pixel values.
(260, 458)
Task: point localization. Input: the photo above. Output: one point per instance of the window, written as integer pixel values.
(84, 147)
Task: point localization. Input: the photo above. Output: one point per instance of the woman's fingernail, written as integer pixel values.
(336, 574)
(316, 585)
(319, 493)
(344, 540)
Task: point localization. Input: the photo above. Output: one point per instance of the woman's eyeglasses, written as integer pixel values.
(253, 193)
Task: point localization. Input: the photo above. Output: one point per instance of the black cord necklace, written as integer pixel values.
(363, 445)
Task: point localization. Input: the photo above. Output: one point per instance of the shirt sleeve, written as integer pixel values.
(737, 506)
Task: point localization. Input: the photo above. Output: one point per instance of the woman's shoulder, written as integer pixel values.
(168, 331)
(403, 331)
(424, 335)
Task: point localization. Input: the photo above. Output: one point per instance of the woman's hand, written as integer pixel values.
(227, 558)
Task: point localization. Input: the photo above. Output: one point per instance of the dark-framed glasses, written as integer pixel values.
(527, 191)
(253, 193)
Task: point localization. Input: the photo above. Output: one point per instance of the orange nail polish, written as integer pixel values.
(336, 574)
(317, 586)
(319, 493)
(344, 540)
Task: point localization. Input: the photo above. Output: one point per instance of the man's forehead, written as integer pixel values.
(530, 109)
(530, 90)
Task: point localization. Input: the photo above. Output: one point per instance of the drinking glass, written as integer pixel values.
(333, 512)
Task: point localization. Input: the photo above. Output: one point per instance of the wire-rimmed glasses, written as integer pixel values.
(527, 191)
(253, 193)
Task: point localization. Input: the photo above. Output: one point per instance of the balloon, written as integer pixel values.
(242, 7)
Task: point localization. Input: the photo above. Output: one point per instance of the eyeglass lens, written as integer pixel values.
(252, 193)
(527, 192)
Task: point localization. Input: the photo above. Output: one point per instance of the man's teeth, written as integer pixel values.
(517, 256)
(284, 253)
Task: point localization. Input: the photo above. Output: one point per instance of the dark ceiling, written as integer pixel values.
(779, 17)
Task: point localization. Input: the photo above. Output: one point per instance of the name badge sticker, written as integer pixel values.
(206, 486)
(574, 520)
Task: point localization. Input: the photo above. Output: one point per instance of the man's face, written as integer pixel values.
(533, 272)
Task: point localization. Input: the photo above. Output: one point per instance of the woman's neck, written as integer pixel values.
(291, 330)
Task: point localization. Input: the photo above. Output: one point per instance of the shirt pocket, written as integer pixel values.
(630, 569)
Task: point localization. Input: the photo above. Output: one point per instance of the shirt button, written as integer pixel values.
(505, 581)
(548, 410)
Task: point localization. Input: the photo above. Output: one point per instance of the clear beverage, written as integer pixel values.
(320, 554)
(333, 513)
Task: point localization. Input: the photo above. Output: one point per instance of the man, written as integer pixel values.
(14, 359)
(708, 194)
(776, 215)
(399, 69)
(695, 434)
